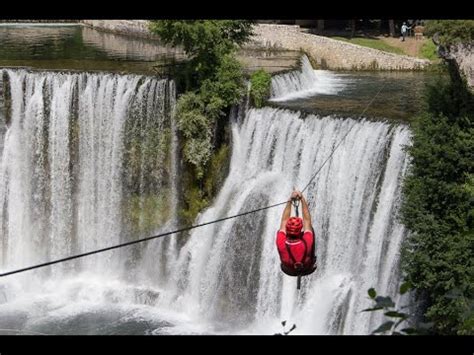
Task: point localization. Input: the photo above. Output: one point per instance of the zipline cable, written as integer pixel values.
(135, 241)
(186, 228)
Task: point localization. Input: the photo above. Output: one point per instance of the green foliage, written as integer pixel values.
(198, 36)
(384, 327)
(405, 287)
(260, 83)
(205, 42)
(224, 88)
(213, 80)
(386, 305)
(218, 168)
(195, 126)
(194, 203)
(429, 51)
(451, 31)
(197, 112)
(438, 204)
(212, 73)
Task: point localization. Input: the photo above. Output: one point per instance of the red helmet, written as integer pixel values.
(294, 225)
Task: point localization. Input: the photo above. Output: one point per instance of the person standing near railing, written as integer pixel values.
(405, 29)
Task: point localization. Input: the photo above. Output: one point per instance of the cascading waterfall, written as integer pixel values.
(85, 165)
(3, 125)
(229, 272)
(90, 160)
(306, 82)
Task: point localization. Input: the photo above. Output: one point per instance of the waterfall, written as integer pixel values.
(229, 272)
(306, 82)
(85, 165)
(91, 160)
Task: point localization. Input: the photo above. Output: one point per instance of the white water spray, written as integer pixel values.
(85, 136)
(307, 82)
(72, 143)
(229, 272)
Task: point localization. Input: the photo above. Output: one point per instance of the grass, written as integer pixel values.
(371, 43)
(428, 51)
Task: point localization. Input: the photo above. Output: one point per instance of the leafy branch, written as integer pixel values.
(387, 305)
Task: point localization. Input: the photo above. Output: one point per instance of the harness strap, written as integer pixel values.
(293, 259)
(289, 252)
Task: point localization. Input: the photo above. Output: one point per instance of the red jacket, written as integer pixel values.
(297, 255)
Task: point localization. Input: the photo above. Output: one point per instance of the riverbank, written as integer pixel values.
(325, 52)
(330, 53)
(136, 28)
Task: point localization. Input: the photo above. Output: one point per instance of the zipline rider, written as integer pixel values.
(295, 240)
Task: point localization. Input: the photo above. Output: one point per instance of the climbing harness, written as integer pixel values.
(293, 267)
(191, 227)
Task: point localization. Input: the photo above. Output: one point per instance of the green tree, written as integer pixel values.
(397, 318)
(438, 205)
(225, 88)
(212, 80)
(195, 127)
(451, 31)
(205, 42)
(260, 83)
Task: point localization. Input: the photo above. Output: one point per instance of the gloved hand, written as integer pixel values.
(296, 195)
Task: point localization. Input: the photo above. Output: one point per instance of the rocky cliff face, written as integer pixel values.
(463, 55)
(459, 54)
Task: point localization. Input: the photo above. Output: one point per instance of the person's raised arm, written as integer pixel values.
(307, 225)
(287, 212)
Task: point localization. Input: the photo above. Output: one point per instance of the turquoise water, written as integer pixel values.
(400, 95)
(75, 47)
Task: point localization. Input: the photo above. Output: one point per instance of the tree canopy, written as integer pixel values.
(438, 207)
(210, 82)
(206, 42)
(451, 31)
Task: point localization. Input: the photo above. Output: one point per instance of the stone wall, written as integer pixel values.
(138, 28)
(326, 52)
(114, 43)
(332, 54)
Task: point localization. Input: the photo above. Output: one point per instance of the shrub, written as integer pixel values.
(451, 31)
(260, 83)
